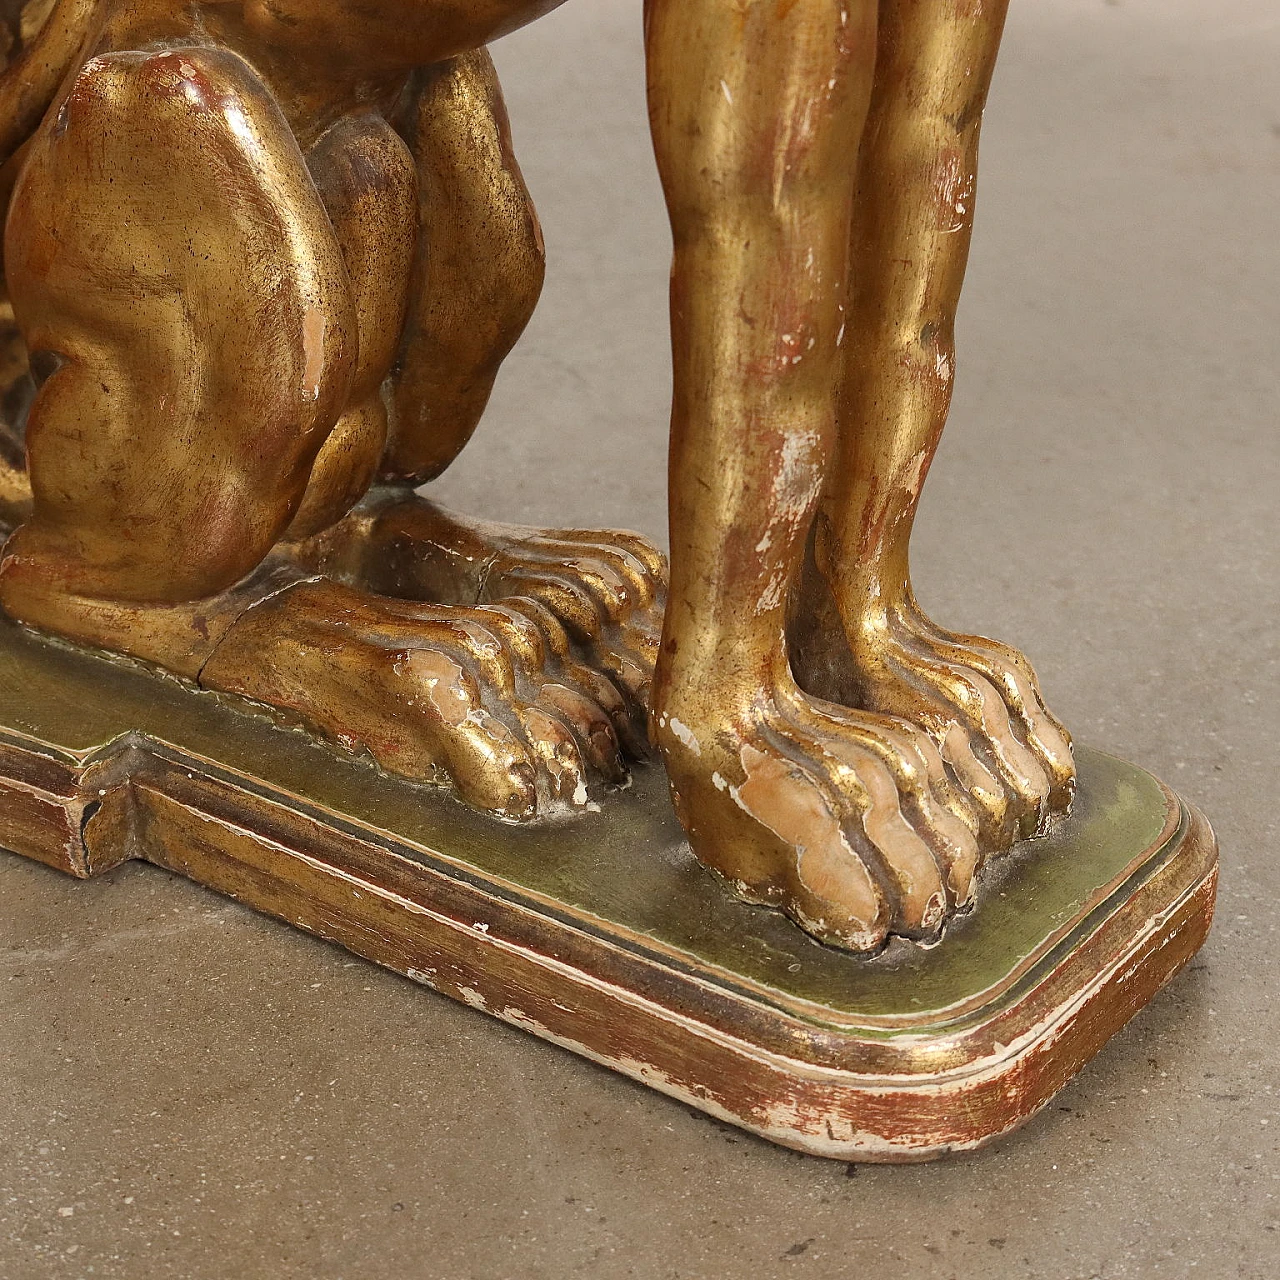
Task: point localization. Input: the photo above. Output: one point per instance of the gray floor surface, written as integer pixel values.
(191, 1090)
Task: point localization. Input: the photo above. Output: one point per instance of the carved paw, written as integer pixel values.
(846, 821)
(487, 698)
(980, 701)
(605, 588)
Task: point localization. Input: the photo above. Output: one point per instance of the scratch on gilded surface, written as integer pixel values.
(795, 486)
(955, 185)
(313, 332)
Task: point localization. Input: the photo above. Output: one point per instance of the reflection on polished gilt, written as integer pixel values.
(266, 257)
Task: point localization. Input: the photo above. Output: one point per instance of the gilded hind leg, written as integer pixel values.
(178, 416)
(190, 304)
(474, 283)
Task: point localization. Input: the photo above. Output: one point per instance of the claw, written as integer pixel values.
(592, 728)
(558, 751)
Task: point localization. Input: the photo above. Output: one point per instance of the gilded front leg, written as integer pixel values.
(845, 820)
(913, 215)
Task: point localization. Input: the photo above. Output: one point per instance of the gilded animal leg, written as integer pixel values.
(478, 271)
(367, 181)
(844, 819)
(913, 214)
(188, 302)
(475, 281)
(164, 246)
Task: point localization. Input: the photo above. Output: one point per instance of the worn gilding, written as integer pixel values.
(627, 869)
(263, 262)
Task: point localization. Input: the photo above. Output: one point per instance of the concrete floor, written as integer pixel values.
(194, 1091)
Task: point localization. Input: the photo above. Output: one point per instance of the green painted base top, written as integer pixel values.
(625, 870)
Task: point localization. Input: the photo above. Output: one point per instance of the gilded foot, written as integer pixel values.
(606, 588)
(980, 701)
(488, 698)
(845, 820)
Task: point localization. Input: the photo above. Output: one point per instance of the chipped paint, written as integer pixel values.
(914, 478)
(957, 751)
(786, 801)
(686, 736)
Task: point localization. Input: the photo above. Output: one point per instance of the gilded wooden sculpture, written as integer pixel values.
(264, 260)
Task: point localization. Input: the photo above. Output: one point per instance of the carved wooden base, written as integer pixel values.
(603, 935)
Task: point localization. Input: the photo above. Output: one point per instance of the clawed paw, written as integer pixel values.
(605, 589)
(981, 703)
(846, 821)
(489, 698)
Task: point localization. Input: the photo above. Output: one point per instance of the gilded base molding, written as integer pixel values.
(603, 934)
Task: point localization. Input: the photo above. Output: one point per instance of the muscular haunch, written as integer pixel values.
(255, 279)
